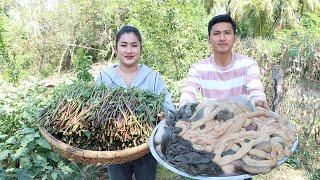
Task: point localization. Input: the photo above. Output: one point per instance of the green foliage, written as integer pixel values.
(9, 66)
(24, 154)
(306, 157)
(297, 50)
(300, 48)
(2, 46)
(262, 25)
(174, 34)
(174, 88)
(22, 150)
(301, 104)
(18, 106)
(11, 69)
(38, 42)
(260, 18)
(87, 171)
(82, 64)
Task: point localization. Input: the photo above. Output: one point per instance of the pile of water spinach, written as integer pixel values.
(97, 118)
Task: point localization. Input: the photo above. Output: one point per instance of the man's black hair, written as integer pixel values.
(221, 18)
(128, 29)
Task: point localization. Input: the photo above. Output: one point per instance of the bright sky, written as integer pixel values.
(49, 3)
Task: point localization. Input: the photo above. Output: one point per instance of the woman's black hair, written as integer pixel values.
(128, 29)
(222, 18)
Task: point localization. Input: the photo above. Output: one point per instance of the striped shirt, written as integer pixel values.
(241, 77)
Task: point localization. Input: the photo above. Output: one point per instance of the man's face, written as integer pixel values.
(222, 37)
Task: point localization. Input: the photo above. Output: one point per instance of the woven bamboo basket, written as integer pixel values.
(94, 157)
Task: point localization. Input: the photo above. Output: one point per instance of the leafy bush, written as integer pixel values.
(82, 64)
(300, 50)
(24, 153)
(301, 104)
(174, 34)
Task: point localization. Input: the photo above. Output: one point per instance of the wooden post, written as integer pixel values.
(277, 85)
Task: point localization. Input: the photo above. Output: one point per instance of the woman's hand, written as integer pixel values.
(161, 116)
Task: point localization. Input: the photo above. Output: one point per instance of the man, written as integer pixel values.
(224, 73)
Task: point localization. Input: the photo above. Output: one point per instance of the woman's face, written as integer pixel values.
(128, 49)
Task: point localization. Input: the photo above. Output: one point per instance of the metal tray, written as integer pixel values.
(241, 175)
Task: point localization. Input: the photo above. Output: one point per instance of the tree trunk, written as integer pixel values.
(277, 85)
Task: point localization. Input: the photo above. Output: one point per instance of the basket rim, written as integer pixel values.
(91, 153)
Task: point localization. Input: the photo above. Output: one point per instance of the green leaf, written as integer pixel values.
(4, 154)
(40, 160)
(2, 136)
(10, 170)
(43, 143)
(25, 162)
(24, 175)
(20, 152)
(26, 131)
(54, 175)
(28, 138)
(11, 140)
(54, 156)
(87, 133)
(66, 169)
(44, 177)
(50, 168)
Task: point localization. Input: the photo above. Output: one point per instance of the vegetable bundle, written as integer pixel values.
(97, 118)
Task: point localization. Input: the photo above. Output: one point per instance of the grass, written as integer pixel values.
(165, 174)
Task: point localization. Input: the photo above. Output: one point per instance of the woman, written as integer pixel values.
(128, 73)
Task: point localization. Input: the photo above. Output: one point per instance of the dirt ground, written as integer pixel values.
(283, 172)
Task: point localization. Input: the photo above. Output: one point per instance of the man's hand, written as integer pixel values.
(262, 104)
(200, 106)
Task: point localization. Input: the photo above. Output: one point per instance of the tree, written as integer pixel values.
(174, 34)
(9, 67)
(42, 41)
(262, 17)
